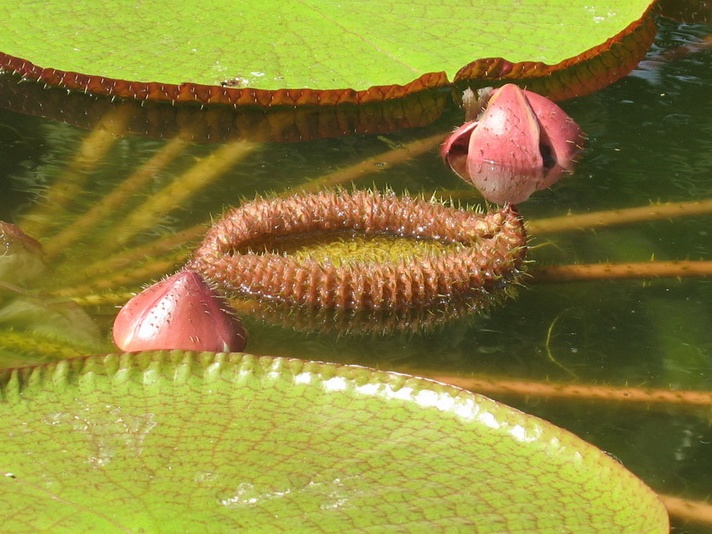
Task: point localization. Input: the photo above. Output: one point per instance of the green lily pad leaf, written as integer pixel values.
(319, 52)
(176, 441)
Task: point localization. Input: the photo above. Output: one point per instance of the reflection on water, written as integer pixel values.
(650, 140)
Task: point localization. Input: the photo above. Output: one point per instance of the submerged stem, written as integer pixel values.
(699, 512)
(107, 205)
(128, 278)
(615, 271)
(173, 196)
(42, 348)
(70, 182)
(373, 164)
(639, 397)
(173, 245)
(600, 219)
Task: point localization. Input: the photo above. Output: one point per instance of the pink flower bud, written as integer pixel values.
(180, 312)
(522, 142)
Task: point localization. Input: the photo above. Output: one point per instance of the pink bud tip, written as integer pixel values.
(181, 312)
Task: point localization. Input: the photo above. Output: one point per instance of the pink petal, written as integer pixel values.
(507, 135)
(504, 160)
(562, 135)
(521, 143)
(454, 149)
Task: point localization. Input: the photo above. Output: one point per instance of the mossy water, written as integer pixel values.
(649, 141)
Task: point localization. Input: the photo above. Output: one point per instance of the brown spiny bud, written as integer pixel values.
(251, 254)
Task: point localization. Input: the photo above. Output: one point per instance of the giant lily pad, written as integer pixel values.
(204, 442)
(320, 52)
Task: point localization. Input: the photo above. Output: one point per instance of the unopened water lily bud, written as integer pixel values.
(181, 312)
(521, 142)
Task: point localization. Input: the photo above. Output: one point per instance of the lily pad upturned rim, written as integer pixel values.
(180, 438)
(589, 71)
(219, 124)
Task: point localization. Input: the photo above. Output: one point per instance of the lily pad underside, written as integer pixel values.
(188, 442)
(318, 52)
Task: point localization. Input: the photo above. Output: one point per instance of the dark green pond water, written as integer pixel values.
(650, 140)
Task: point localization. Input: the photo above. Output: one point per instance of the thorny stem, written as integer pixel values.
(600, 219)
(126, 259)
(171, 245)
(615, 271)
(43, 347)
(128, 278)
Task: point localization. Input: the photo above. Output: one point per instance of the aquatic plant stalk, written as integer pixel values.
(172, 197)
(169, 246)
(126, 259)
(610, 271)
(699, 512)
(553, 274)
(374, 164)
(108, 205)
(401, 154)
(130, 277)
(640, 397)
(62, 192)
(40, 347)
(108, 298)
(601, 219)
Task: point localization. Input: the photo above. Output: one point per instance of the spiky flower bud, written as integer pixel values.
(522, 142)
(473, 258)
